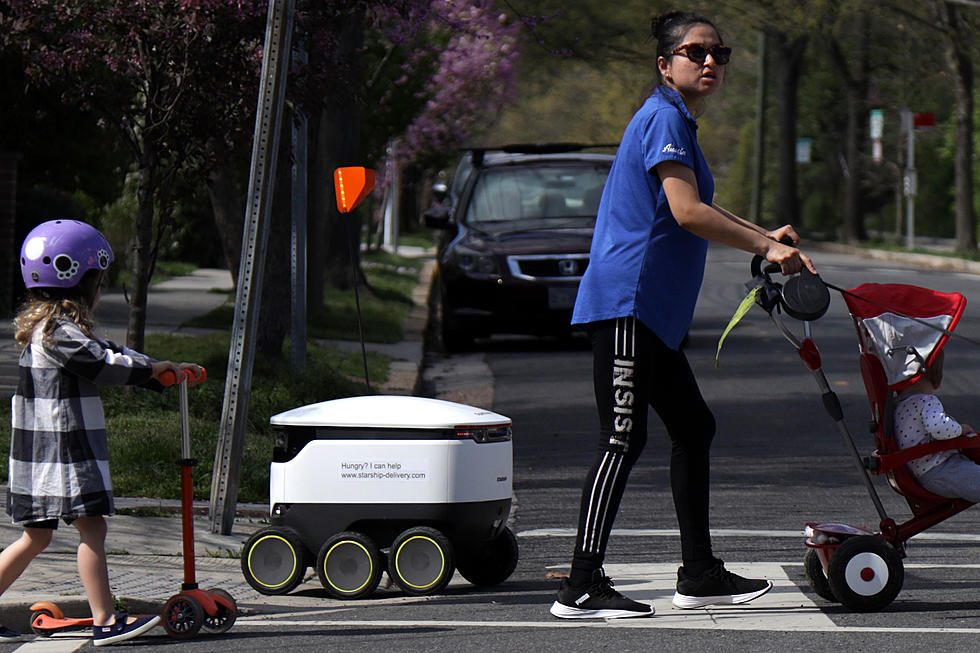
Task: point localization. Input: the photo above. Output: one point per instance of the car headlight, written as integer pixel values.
(470, 260)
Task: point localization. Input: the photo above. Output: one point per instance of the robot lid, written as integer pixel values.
(388, 411)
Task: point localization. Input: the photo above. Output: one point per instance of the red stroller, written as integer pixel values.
(901, 329)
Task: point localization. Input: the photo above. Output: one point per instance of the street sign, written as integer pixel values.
(803, 150)
(924, 121)
(877, 124)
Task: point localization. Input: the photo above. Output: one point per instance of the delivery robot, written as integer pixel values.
(412, 486)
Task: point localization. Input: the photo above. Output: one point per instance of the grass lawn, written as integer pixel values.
(144, 426)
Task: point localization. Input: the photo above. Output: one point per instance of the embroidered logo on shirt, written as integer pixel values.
(670, 148)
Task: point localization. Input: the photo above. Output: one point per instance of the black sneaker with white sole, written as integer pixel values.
(597, 600)
(122, 629)
(716, 586)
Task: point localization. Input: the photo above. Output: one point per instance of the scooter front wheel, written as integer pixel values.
(866, 573)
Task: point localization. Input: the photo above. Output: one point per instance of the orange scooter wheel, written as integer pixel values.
(38, 618)
(52, 609)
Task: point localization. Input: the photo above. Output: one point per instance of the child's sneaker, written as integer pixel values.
(7, 635)
(120, 631)
(597, 600)
(716, 586)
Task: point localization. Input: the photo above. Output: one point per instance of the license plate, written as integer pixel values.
(561, 298)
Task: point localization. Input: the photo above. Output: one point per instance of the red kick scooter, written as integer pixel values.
(186, 613)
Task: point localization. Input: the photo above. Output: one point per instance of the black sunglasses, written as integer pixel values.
(698, 53)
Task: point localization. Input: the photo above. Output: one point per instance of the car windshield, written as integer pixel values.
(538, 192)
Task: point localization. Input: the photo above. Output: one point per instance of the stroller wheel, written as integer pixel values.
(349, 565)
(866, 573)
(421, 561)
(272, 561)
(815, 576)
(489, 563)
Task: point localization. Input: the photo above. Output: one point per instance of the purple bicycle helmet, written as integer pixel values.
(57, 253)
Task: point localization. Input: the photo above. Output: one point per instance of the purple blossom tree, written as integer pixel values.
(177, 80)
(155, 72)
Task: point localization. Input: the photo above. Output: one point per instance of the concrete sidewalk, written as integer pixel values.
(145, 566)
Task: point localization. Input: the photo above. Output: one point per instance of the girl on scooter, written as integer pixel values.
(59, 458)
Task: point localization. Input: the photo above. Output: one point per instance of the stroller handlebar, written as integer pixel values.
(804, 296)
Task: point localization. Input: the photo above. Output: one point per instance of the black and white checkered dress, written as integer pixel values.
(59, 455)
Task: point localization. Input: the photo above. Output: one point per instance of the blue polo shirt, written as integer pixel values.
(642, 263)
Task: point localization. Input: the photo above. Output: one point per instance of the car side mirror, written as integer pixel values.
(436, 217)
(440, 191)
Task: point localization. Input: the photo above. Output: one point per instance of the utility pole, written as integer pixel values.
(909, 180)
(241, 354)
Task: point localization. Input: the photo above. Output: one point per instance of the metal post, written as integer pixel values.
(265, 152)
(909, 179)
(392, 207)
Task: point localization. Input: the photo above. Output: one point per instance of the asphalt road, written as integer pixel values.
(778, 461)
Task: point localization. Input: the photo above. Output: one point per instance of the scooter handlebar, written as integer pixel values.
(169, 378)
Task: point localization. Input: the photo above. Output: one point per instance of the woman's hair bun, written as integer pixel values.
(659, 24)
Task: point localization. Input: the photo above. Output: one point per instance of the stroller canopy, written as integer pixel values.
(904, 326)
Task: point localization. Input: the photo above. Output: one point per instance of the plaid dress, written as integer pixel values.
(59, 455)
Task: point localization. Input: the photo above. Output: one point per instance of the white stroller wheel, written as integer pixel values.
(866, 573)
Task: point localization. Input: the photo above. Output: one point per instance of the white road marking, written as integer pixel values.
(730, 532)
(53, 645)
(786, 608)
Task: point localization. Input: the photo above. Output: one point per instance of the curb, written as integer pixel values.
(931, 261)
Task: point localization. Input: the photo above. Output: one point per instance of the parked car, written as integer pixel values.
(518, 227)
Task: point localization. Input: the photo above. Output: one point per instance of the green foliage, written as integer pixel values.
(735, 190)
(384, 303)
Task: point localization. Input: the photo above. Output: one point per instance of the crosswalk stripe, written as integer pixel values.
(53, 645)
(786, 608)
(730, 532)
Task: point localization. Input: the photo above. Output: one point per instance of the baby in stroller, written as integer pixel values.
(920, 418)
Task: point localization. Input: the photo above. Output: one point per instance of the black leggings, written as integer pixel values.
(633, 369)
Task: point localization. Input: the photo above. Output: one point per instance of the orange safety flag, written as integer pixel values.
(352, 185)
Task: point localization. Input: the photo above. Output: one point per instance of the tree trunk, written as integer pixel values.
(142, 262)
(789, 55)
(337, 144)
(226, 204)
(275, 302)
(856, 85)
(962, 65)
